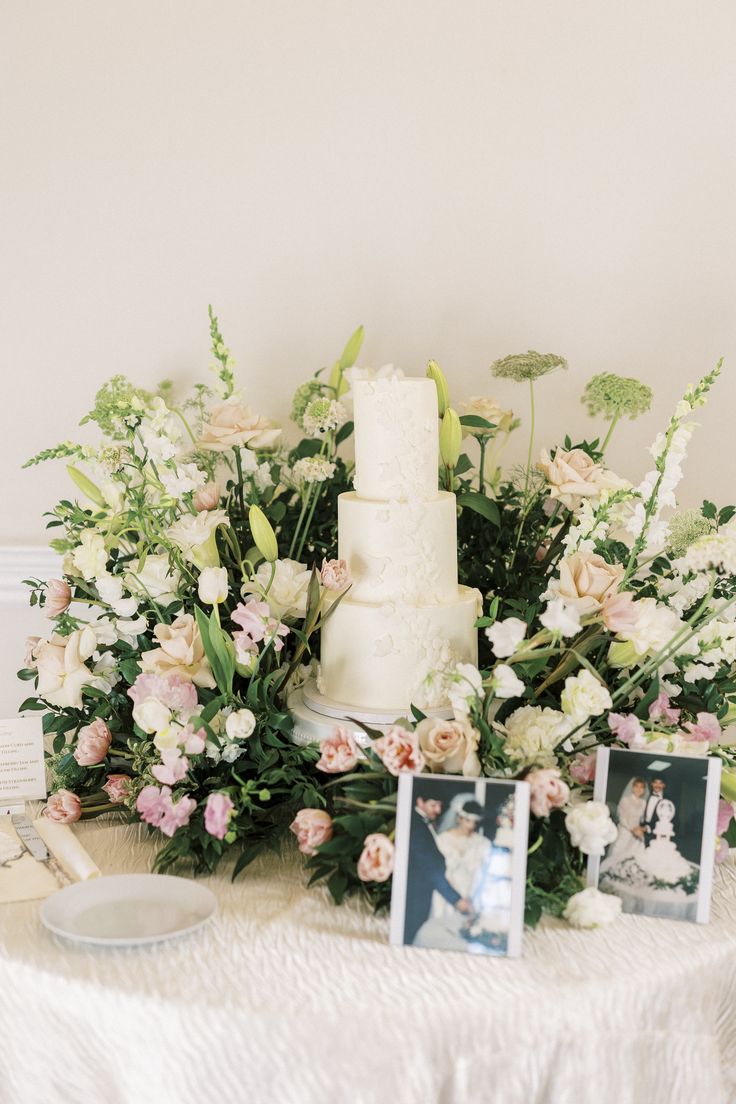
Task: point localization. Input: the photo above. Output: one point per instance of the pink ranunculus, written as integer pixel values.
(339, 751)
(399, 751)
(217, 814)
(725, 816)
(206, 498)
(93, 743)
(312, 827)
(117, 788)
(58, 597)
(619, 612)
(335, 574)
(627, 728)
(172, 768)
(661, 710)
(64, 807)
(176, 815)
(582, 768)
(706, 727)
(376, 862)
(548, 791)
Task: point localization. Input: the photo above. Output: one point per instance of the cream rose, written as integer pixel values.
(180, 652)
(287, 595)
(590, 827)
(583, 697)
(61, 667)
(573, 475)
(587, 581)
(490, 411)
(232, 424)
(449, 747)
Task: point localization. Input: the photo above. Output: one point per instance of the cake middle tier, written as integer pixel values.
(399, 550)
(377, 656)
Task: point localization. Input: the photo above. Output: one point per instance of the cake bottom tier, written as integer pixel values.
(378, 656)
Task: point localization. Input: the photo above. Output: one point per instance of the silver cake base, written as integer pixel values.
(315, 716)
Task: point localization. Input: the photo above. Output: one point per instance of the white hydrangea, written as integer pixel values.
(506, 636)
(532, 733)
(590, 827)
(583, 697)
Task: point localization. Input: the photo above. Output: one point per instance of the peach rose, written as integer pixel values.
(206, 498)
(312, 828)
(117, 788)
(548, 791)
(573, 475)
(93, 743)
(376, 862)
(61, 667)
(63, 807)
(449, 747)
(399, 751)
(339, 752)
(232, 424)
(58, 597)
(181, 652)
(586, 581)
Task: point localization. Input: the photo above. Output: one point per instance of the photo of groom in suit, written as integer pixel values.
(650, 815)
(427, 872)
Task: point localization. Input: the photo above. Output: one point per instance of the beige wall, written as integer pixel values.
(467, 179)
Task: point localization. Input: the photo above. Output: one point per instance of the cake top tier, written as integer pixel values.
(396, 439)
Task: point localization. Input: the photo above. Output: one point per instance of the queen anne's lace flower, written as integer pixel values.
(614, 396)
(527, 366)
(312, 469)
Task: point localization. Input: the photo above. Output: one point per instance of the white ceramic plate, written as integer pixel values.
(124, 909)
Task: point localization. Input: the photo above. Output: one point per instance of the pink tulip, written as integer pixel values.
(117, 788)
(312, 827)
(339, 751)
(548, 791)
(58, 597)
(335, 574)
(64, 807)
(376, 862)
(93, 743)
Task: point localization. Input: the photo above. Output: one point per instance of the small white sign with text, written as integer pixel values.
(22, 775)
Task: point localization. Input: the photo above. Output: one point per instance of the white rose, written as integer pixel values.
(240, 724)
(506, 636)
(592, 909)
(287, 596)
(213, 585)
(532, 733)
(505, 683)
(466, 684)
(584, 697)
(90, 556)
(590, 826)
(155, 580)
(151, 715)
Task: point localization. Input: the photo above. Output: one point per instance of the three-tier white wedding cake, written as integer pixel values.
(405, 615)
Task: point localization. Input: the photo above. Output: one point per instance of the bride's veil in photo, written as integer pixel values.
(627, 794)
(449, 817)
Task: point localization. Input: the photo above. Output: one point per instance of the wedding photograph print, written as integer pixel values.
(665, 809)
(460, 866)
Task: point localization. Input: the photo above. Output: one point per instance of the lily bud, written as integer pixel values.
(728, 785)
(86, 486)
(451, 438)
(434, 372)
(264, 537)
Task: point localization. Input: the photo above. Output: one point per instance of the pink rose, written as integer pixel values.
(58, 597)
(725, 816)
(180, 652)
(660, 710)
(376, 862)
(582, 768)
(619, 612)
(706, 728)
(117, 788)
(335, 574)
(93, 743)
(172, 768)
(339, 752)
(206, 498)
(64, 807)
(548, 791)
(399, 751)
(627, 728)
(312, 827)
(217, 814)
(573, 476)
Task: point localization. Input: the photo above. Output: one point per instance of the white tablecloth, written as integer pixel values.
(285, 999)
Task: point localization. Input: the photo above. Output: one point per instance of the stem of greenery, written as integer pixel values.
(308, 522)
(239, 466)
(305, 501)
(611, 428)
(482, 442)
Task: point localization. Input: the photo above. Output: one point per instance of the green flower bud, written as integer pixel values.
(451, 438)
(434, 372)
(264, 537)
(622, 653)
(728, 785)
(86, 486)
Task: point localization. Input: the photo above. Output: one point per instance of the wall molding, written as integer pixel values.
(25, 562)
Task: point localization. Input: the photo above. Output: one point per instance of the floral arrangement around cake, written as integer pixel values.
(199, 569)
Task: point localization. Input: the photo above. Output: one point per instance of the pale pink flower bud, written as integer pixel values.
(117, 788)
(206, 498)
(217, 814)
(58, 597)
(376, 862)
(93, 743)
(548, 791)
(339, 751)
(64, 807)
(312, 827)
(335, 574)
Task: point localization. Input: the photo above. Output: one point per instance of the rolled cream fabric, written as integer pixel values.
(66, 849)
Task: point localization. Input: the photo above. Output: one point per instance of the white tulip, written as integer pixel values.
(151, 715)
(240, 725)
(213, 585)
